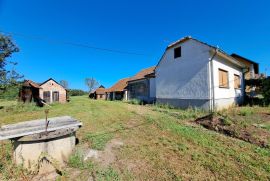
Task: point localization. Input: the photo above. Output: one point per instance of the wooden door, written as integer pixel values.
(55, 96)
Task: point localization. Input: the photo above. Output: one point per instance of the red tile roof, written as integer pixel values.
(143, 73)
(100, 90)
(119, 86)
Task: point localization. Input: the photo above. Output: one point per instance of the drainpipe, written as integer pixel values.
(212, 108)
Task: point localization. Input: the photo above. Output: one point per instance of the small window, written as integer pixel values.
(177, 52)
(223, 78)
(237, 82)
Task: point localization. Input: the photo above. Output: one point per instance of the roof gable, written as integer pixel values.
(213, 48)
(52, 80)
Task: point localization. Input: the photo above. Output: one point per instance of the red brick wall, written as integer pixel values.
(53, 86)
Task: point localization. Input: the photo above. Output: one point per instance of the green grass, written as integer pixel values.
(98, 141)
(160, 143)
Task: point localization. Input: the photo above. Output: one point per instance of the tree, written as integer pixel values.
(64, 83)
(91, 83)
(7, 77)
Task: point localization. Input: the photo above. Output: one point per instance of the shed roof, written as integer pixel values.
(100, 90)
(119, 86)
(143, 73)
(30, 83)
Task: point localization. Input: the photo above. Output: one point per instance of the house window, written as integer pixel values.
(223, 78)
(177, 52)
(47, 96)
(237, 82)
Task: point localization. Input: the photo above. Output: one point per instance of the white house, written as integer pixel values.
(193, 73)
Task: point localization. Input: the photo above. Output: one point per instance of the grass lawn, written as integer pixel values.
(158, 143)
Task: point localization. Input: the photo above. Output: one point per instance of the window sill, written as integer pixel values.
(224, 87)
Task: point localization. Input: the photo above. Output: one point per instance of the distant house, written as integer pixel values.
(99, 93)
(49, 91)
(142, 86)
(118, 91)
(193, 73)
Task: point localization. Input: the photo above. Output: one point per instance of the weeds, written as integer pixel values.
(246, 111)
(77, 161)
(98, 141)
(108, 174)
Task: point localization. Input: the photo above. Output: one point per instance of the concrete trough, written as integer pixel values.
(36, 146)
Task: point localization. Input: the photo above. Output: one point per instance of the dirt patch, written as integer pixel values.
(251, 134)
(107, 156)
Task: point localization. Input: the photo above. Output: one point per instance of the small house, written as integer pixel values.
(142, 86)
(118, 91)
(49, 92)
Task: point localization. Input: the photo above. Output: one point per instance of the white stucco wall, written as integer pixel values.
(152, 83)
(185, 77)
(225, 97)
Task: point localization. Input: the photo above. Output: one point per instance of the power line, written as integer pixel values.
(49, 40)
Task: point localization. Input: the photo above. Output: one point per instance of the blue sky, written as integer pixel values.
(142, 27)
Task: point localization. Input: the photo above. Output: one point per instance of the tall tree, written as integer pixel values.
(91, 83)
(7, 77)
(64, 83)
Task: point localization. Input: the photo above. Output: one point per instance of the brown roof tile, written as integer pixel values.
(143, 73)
(119, 86)
(30, 83)
(100, 90)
